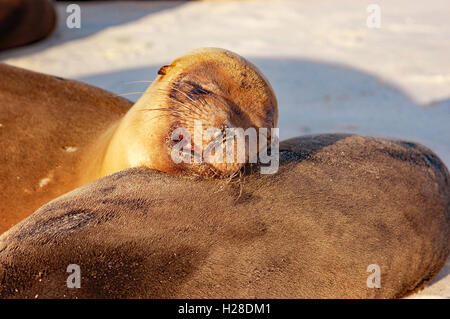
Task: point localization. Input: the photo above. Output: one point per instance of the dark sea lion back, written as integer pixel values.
(338, 204)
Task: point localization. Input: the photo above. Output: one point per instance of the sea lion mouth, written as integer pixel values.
(221, 154)
(190, 102)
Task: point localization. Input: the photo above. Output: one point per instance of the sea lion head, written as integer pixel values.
(208, 92)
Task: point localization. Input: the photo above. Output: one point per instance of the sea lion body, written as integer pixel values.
(46, 124)
(57, 134)
(338, 204)
(25, 21)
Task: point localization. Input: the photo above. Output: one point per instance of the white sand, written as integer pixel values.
(331, 73)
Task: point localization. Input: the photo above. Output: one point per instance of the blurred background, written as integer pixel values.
(373, 67)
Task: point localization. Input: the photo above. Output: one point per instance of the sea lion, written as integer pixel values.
(25, 21)
(45, 123)
(57, 134)
(339, 206)
(214, 86)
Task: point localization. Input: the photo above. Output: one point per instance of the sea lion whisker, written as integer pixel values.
(203, 102)
(189, 109)
(173, 114)
(184, 105)
(164, 110)
(190, 102)
(234, 174)
(130, 93)
(241, 185)
(173, 87)
(158, 109)
(143, 81)
(213, 170)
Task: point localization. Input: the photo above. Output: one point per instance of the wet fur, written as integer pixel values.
(338, 203)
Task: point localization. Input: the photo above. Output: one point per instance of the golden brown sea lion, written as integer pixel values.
(45, 123)
(25, 21)
(214, 86)
(57, 135)
(338, 204)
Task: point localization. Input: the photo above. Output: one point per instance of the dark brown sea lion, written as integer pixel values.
(57, 135)
(338, 204)
(25, 21)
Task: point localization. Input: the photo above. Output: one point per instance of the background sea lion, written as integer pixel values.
(337, 204)
(25, 21)
(57, 135)
(45, 123)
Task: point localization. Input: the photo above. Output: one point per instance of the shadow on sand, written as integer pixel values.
(91, 24)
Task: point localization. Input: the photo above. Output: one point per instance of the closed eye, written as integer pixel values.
(196, 90)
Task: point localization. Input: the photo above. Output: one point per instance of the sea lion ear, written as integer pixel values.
(163, 70)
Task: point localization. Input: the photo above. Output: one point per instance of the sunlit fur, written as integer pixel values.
(212, 85)
(43, 117)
